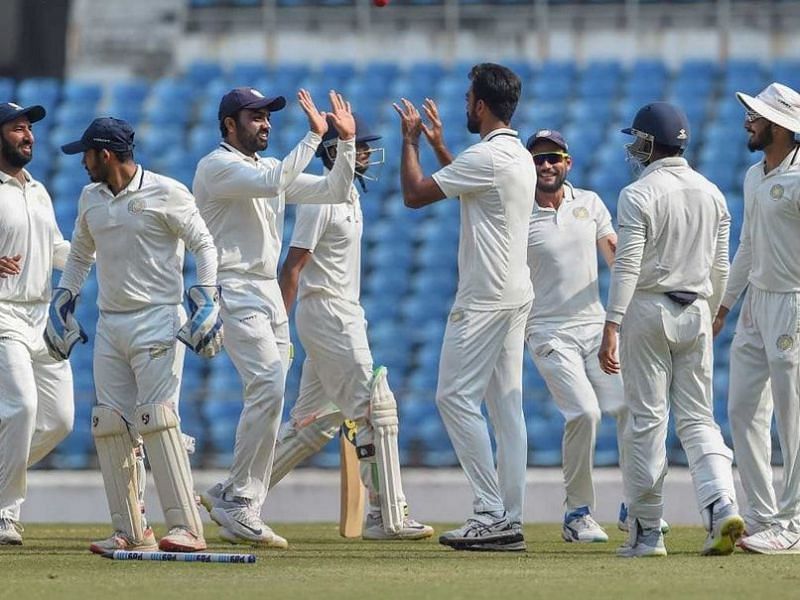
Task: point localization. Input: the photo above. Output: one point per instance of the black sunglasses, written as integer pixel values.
(552, 157)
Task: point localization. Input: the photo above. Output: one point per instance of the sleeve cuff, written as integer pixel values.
(614, 316)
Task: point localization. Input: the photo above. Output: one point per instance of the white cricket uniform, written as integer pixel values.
(565, 327)
(673, 236)
(765, 354)
(36, 402)
(484, 340)
(243, 200)
(137, 238)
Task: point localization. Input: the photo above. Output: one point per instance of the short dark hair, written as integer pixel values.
(123, 157)
(498, 87)
(665, 150)
(224, 130)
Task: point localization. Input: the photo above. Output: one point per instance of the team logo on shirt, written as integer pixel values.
(581, 212)
(136, 206)
(776, 191)
(158, 351)
(785, 342)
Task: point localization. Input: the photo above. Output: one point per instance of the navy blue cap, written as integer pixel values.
(10, 111)
(104, 133)
(246, 97)
(550, 135)
(665, 123)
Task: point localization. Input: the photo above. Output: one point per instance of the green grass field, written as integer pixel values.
(54, 563)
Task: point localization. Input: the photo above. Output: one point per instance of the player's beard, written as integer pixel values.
(250, 142)
(549, 188)
(473, 125)
(12, 155)
(759, 141)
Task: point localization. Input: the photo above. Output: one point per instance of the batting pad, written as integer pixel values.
(120, 469)
(299, 443)
(159, 427)
(384, 422)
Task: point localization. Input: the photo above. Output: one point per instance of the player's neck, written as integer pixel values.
(550, 199)
(491, 125)
(776, 153)
(120, 177)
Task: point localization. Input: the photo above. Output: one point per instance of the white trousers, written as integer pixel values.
(481, 361)
(666, 358)
(137, 359)
(765, 376)
(36, 401)
(257, 340)
(566, 358)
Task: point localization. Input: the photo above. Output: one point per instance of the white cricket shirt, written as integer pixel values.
(28, 227)
(768, 255)
(496, 181)
(562, 257)
(332, 232)
(138, 239)
(673, 236)
(243, 200)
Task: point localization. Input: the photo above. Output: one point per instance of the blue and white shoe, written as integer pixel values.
(622, 520)
(579, 526)
(642, 543)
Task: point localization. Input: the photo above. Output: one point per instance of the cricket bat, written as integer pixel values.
(351, 505)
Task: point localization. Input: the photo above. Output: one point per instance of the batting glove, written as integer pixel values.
(203, 331)
(62, 331)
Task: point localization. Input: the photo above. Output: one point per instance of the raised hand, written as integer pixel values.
(341, 116)
(432, 131)
(10, 265)
(317, 121)
(410, 121)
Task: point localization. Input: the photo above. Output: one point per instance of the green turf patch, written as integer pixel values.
(55, 563)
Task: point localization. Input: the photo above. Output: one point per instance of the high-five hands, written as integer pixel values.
(341, 115)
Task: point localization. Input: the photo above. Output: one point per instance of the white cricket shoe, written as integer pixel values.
(211, 497)
(180, 539)
(622, 520)
(411, 529)
(775, 540)
(119, 540)
(579, 526)
(484, 531)
(724, 526)
(10, 533)
(642, 543)
(242, 525)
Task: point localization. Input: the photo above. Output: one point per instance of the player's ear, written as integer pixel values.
(230, 125)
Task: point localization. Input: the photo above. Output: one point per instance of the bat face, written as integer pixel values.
(351, 506)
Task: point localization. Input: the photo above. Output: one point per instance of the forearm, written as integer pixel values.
(75, 272)
(739, 275)
(334, 188)
(60, 254)
(288, 280)
(411, 175)
(625, 274)
(443, 155)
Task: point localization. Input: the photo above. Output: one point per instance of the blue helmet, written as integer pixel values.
(657, 123)
(363, 135)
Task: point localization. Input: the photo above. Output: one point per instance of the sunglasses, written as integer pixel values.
(751, 116)
(551, 157)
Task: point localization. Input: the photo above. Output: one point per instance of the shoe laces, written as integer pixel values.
(586, 522)
(7, 523)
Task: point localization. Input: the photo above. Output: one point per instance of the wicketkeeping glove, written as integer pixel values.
(62, 331)
(203, 331)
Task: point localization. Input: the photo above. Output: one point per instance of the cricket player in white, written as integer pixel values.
(323, 271)
(670, 272)
(36, 405)
(135, 225)
(484, 340)
(568, 227)
(765, 354)
(242, 197)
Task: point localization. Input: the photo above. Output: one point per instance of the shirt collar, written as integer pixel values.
(792, 159)
(5, 177)
(569, 196)
(662, 163)
(501, 131)
(229, 148)
(135, 184)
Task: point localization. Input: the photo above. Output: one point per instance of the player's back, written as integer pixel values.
(683, 215)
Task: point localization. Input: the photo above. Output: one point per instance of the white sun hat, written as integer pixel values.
(777, 103)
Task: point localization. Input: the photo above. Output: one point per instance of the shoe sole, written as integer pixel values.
(166, 545)
(11, 543)
(491, 547)
(654, 554)
(469, 543)
(571, 540)
(386, 537)
(95, 549)
(730, 532)
(230, 537)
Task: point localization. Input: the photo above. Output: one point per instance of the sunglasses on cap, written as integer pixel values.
(551, 157)
(751, 116)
